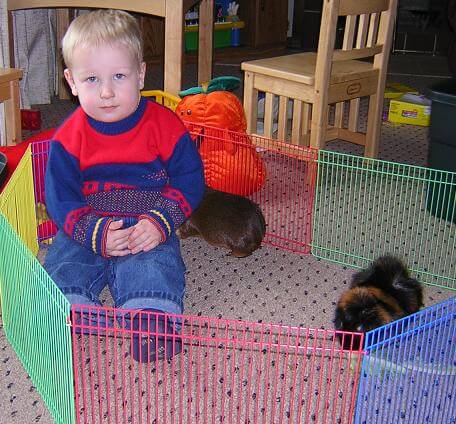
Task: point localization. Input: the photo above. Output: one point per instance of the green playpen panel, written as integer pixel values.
(366, 207)
(35, 319)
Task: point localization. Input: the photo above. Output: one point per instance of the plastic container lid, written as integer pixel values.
(443, 92)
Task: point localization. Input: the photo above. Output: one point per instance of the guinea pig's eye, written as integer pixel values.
(189, 112)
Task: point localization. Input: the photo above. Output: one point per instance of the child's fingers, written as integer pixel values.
(136, 239)
(115, 225)
(118, 252)
(137, 247)
(143, 243)
(145, 246)
(123, 234)
(151, 245)
(121, 246)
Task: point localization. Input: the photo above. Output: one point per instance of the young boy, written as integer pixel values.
(122, 175)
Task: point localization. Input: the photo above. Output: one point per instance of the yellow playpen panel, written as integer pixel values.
(17, 202)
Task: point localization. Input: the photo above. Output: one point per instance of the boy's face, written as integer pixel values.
(107, 81)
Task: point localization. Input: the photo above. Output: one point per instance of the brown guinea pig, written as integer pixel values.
(226, 220)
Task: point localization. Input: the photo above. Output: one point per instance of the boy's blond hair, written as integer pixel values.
(103, 27)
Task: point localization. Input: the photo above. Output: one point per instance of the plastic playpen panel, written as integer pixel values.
(286, 197)
(232, 371)
(227, 371)
(372, 207)
(35, 317)
(409, 370)
(18, 204)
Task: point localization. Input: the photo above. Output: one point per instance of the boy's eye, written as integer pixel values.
(119, 76)
(91, 79)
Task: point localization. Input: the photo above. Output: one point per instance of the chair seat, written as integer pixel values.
(300, 68)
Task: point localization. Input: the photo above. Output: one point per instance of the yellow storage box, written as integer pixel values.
(393, 90)
(410, 109)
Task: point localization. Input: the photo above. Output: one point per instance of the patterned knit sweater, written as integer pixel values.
(144, 166)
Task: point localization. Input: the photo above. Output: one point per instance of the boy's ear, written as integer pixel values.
(70, 81)
(142, 74)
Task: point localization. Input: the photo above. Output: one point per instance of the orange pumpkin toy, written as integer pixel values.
(231, 163)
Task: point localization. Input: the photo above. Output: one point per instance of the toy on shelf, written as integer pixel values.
(218, 13)
(233, 12)
(192, 16)
(231, 163)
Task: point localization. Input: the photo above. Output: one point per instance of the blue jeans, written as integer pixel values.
(153, 279)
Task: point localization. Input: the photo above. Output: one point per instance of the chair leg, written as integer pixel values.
(250, 103)
(319, 125)
(13, 115)
(374, 123)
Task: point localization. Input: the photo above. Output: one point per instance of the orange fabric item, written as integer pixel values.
(232, 167)
(241, 173)
(220, 109)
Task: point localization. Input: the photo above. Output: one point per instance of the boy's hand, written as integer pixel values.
(145, 237)
(117, 239)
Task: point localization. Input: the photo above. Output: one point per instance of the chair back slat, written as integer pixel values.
(349, 33)
(363, 36)
(363, 27)
(340, 55)
(359, 7)
(373, 29)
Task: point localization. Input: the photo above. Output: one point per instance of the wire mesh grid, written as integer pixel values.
(46, 229)
(16, 202)
(285, 193)
(226, 371)
(409, 370)
(373, 207)
(35, 319)
(278, 176)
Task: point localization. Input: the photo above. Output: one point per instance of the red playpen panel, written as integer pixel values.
(278, 176)
(226, 371)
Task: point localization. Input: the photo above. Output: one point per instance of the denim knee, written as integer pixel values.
(152, 280)
(79, 273)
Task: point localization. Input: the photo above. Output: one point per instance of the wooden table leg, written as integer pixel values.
(174, 39)
(205, 40)
(63, 21)
(13, 115)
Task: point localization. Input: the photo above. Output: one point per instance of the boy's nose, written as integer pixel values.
(106, 91)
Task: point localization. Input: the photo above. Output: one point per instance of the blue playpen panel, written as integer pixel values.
(409, 370)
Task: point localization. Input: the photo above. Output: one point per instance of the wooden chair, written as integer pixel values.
(313, 81)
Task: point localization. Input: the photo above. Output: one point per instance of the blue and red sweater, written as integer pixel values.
(144, 166)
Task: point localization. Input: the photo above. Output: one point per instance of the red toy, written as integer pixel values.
(31, 119)
(232, 167)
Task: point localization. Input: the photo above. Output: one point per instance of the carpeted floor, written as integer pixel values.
(269, 286)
